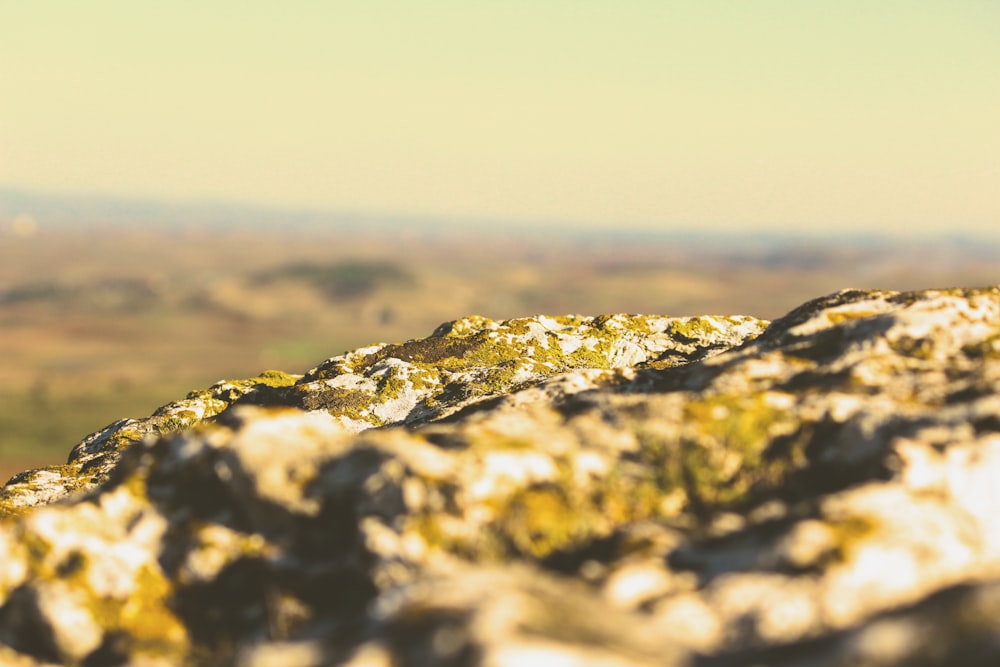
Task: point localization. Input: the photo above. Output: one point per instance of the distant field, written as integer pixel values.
(104, 325)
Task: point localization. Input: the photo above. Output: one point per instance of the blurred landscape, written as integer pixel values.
(109, 309)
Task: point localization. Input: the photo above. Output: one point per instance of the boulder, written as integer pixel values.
(613, 490)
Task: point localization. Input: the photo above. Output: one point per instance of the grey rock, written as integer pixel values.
(618, 490)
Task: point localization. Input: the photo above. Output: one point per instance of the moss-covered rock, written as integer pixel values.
(629, 490)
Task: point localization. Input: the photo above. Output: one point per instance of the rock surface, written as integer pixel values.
(618, 490)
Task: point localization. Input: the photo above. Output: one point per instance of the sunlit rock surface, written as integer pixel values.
(617, 490)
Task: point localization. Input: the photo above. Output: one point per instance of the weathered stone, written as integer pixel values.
(619, 490)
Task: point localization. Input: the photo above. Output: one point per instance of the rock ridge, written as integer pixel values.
(610, 490)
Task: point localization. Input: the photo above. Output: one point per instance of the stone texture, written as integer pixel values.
(618, 490)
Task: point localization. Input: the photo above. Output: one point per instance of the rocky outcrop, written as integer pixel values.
(618, 490)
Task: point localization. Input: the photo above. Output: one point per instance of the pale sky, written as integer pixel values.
(708, 114)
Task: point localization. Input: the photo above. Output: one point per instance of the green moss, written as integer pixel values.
(837, 317)
(428, 527)
(497, 379)
(534, 522)
(421, 379)
(144, 617)
(720, 457)
(341, 402)
(274, 378)
(498, 353)
(541, 520)
(608, 323)
(174, 423)
(486, 354)
(133, 477)
(517, 327)
(597, 356)
(630, 492)
(124, 438)
(504, 442)
(847, 533)
(569, 321)
(128, 434)
(489, 349)
(723, 457)
(692, 328)
(392, 384)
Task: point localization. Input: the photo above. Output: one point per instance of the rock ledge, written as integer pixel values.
(613, 490)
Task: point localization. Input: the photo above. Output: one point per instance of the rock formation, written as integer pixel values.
(617, 490)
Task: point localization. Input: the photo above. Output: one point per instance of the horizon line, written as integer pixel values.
(114, 208)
